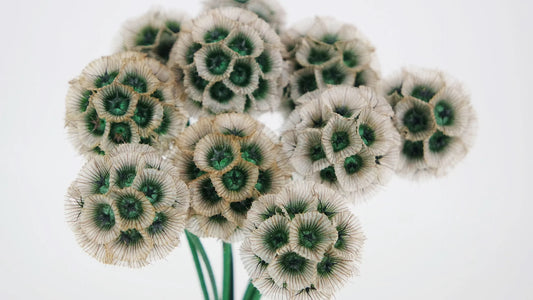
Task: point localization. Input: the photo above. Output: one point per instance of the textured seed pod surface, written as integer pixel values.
(325, 52)
(231, 62)
(343, 137)
(268, 10)
(433, 114)
(153, 33)
(128, 207)
(228, 161)
(123, 98)
(303, 243)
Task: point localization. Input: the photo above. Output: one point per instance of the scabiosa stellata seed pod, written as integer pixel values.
(325, 52)
(435, 119)
(344, 138)
(303, 242)
(128, 207)
(268, 10)
(153, 33)
(231, 61)
(228, 161)
(123, 98)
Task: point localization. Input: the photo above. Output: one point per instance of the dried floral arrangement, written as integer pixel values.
(167, 124)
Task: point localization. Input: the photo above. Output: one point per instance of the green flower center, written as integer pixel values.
(350, 59)
(242, 45)
(235, 179)
(98, 150)
(367, 134)
(221, 93)
(342, 233)
(101, 183)
(360, 79)
(217, 62)
(309, 236)
(105, 79)
(152, 190)
(116, 103)
(444, 114)
(137, 82)
(333, 75)
(220, 156)
(397, 90)
(158, 95)
(353, 164)
(424, 93)
(104, 217)
(340, 140)
(328, 174)
(251, 153)
(130, 237)
(438, 142)
(209, 193)
(318, 56)
(125, 176)
(158, 225)
(292, 263)
(219, 219)
(189, 57)
(84, 100)
(143, 114)
(330, 38)
(264, 62)
(95, 125)
(326, 266)
(146, 36)
(193, 172)
(264, 181)
(165, 123)
(241, 74)
(197, 81)
(276, 238)
(343, 111)
(413, 150)
(295, 207)
(215, 35)
(242, 207)
(416, 120)
(262, 90)
(307, 83)
(129, 207)
(166, 41)
(316, 152)
(174, 26)
(326, 209)
(120, 133)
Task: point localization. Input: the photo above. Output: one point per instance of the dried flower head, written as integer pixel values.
(123, 98)
(128, 207)
(323, 52)
(304, 243)
(436, 122)
(268, 10)
(153, 33)
(231, 61)
(228, 161)
(344, 138)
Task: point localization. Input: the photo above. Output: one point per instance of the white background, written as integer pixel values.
(466, 236)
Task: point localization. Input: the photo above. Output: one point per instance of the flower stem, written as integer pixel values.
(251, 292)
(205, 258)
(227, 292)
(197, 264)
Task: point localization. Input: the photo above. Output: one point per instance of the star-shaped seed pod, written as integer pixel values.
(435, 119)
(231, 61)
(268, 10)
(303, 242)
(153, 33)
(343, 137)
(325, 52)
(128, 207)
(123, 98)
(228, 161)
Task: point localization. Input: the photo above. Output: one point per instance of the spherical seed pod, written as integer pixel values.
(231, 62)
(268, 10)
(128, 207)
(123, 98)
(153, 33)
(303, 242)
(343, 137)
(324, 52)
(435, 119)
(228, 161)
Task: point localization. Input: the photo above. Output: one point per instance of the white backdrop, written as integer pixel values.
(466, 236)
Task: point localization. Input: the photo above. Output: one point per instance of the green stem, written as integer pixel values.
(250, 292)
(207, 263)
(256, 296)
(197, 264)
(227, 291)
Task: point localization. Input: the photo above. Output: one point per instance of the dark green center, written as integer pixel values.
(209, 193)
(158, 94)
(330, 39)
(328, 174)
(125, 176)
(318, 56)
(350, 59)
(360, 79)
(220, 156)
(333, 75)
(342, 233)
(353, 164)
(152, 190)
(84, 100)
(416, 120)
(217, 62)
(166, 41)
(316, 152)
(189, 57)
(413, 150)
(116, 103)
(309, 236)
(129, 207)
(197, 81)
(340, 140)
(103, 216)
(276, 238)
(130, 237)
(241, 74)
(264, 181)
(264, 62)
(158, 225)
(146, 36)
(438, 142)
(221, 93)
(143, 113)
(165, 123)
(241, 44)
(326, 266)
(120, 133)
(174, 26)
(295, 207)
(215, 35)
(367, 134)
(444, 114)
(424, 93)
(262, 90)
(241, 207)
(397, 90)
(219, 219)
(251, 153)
(326, 209)
(95, 125)
(343, 111)
(235, 179)
(292, 263)
(105, 79)
(307, 83)
(193, 171)
(101, 183)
